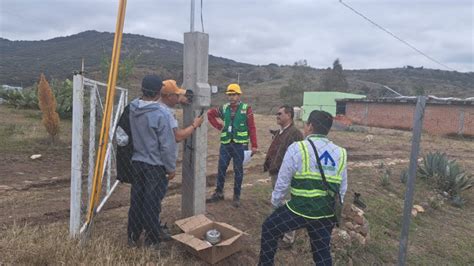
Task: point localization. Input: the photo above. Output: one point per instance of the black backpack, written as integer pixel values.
(125, 173)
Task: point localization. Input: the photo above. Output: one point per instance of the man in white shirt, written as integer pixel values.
(312, 200)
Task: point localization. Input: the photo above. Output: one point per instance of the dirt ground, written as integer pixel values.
(36, 193)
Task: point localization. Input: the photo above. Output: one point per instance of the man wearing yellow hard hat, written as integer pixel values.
(236, 122)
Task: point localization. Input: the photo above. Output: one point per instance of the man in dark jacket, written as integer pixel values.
(283, 138)
(153, 161)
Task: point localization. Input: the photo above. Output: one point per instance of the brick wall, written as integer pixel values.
(439, 119)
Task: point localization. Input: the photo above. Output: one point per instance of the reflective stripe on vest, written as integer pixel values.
(239, 130)
(309, 197)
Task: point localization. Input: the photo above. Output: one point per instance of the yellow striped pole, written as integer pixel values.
(104, 133)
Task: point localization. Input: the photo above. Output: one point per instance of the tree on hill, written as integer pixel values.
(125, 69)
(299, 82)
(420, 91)
(334, 79)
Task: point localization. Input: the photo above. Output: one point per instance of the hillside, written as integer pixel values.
(22, 62)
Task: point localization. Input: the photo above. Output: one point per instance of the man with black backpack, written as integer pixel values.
(147, 160)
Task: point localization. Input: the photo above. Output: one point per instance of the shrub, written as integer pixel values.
(447, 175)
(47, 104)
(63, 93)
(385, 177)
(28, 97)
(25, 98)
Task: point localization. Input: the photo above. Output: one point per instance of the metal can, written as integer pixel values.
(213, 236)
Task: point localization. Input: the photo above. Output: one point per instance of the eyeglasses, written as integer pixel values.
(231, 94)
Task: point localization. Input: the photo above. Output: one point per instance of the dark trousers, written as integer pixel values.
(227, 152)
(148, 190)
(283, 220)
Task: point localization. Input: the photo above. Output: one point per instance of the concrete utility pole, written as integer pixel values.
(196, 57)
(192, 16)
(76, 155)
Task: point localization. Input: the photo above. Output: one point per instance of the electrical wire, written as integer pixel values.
(396, 37)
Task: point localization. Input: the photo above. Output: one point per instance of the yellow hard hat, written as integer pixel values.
(233, 88)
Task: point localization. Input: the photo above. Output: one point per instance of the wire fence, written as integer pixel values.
(280, 197)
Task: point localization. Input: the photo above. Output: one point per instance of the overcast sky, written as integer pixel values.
(272, 31)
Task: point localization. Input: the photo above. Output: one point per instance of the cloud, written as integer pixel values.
(266, 31)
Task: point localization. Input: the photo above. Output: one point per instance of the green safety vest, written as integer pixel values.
(235, 130)
(309, 197)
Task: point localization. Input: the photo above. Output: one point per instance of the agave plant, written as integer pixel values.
(446, 174)
(433, 165)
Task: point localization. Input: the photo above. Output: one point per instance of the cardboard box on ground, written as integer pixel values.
(194, 238)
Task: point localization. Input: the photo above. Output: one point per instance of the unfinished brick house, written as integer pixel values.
(442, 116)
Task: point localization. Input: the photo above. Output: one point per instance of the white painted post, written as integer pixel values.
(76, 155)
(196, 57)
(109, 155)
(92, 127)
(109, 151)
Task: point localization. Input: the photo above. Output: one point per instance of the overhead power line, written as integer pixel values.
(396, 37)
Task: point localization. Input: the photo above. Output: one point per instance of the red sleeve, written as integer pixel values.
(212, 116)
(252, 128)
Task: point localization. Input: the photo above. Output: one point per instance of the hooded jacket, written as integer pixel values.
(153, 137)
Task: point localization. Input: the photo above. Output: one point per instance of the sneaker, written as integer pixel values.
(217, 196)
(236, 202)
(164, 233)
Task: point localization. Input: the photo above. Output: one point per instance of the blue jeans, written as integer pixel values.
(227, 152)
(283, 220)
(148, 190)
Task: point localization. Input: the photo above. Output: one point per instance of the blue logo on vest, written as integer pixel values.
(325, 157)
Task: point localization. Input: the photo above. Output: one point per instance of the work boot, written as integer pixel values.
(217, 196)
(236, 201)
(164, 233)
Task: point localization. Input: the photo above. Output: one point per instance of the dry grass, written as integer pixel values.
(45, 245)
(443, 235)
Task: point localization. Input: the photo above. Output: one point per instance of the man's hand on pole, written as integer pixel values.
(198, 121)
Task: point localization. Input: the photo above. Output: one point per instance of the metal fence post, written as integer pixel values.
(408, 205)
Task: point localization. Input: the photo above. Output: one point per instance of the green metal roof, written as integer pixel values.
(324, 100)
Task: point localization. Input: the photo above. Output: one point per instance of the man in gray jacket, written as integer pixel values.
(153, 161)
